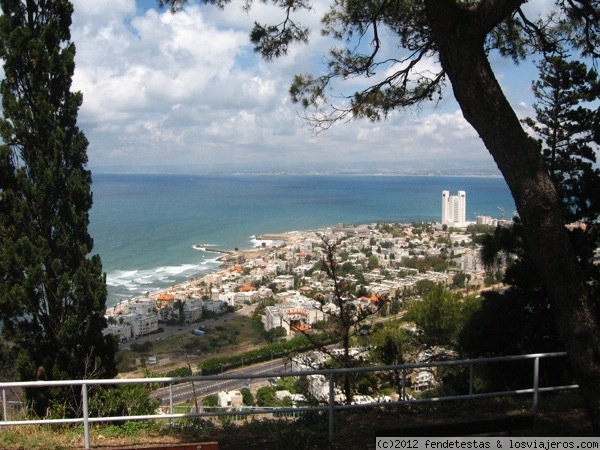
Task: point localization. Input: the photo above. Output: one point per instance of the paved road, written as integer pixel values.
(185, 391)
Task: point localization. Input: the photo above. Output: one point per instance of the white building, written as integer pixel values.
(217, 307)
(284, 282)
(230, 399)
(123, 331)
(192, 310)
(292, 317)
(486, 220)
(141, 324)
(454, 209)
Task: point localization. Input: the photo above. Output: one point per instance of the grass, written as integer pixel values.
(233, 334)
(559, 415)
(288, 384)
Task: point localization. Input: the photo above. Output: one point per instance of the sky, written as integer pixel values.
(186, 92)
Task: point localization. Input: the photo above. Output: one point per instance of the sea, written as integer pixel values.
(145, 226)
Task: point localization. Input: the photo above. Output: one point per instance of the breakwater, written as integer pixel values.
(213, 250)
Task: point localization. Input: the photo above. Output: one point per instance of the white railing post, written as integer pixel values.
(86, 422)
(536, 384)
(331, 407)
(171, 399)
(4, 408)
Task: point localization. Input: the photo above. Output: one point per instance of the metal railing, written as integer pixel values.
(535, 390)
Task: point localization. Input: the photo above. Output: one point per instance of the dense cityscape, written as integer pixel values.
(284, 271)
(285, 281)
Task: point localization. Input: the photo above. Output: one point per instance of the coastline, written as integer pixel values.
(146, 239)
(227, 258)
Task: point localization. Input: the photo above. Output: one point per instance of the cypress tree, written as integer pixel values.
(52, 290)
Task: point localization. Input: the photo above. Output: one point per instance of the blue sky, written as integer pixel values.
(186, 92)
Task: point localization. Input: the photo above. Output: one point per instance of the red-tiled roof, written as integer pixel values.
(247, 288)
(372, 298)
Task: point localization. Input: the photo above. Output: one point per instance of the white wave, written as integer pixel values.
(214, 261)
(128, 284)
(267, 242)
(177, 270)
(116, 282)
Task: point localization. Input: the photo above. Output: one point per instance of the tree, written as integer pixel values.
(440, 316)
(459, 279)
(345, 317)
(391, 344)
(567, 130)
(265, 396)
(210, 401)
(461, 34)
(52, 294)
(247, 397)
(275, 333)
(373, 262)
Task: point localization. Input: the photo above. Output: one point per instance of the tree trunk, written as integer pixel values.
(460, 44)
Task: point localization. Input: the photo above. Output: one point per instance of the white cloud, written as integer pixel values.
(188, 89)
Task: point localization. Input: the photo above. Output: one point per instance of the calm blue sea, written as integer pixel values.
(145, 226)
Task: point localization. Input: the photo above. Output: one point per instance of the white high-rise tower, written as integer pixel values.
(454, 209)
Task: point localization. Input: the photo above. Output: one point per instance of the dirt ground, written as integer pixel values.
(561, 415)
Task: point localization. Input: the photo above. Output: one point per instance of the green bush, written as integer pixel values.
(180, 372)
(122, 400)
(141, 348)
(280, 349)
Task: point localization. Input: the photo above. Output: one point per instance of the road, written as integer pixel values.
(185, 391)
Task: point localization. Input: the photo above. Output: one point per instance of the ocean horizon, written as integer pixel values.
(145, 226)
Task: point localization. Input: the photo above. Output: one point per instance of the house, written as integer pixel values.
(230, 399)
(192, 310)
(284, 282)
(165, 301)
(423, 379)
(280, 395)
(141, 324)
(217, 307)
(122, 330)
(292, 316)
(140, 306)
(246, 294)
(228, 297)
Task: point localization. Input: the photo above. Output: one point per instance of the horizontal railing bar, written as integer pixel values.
(164, 382)
(241, 376)
(276, 410)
